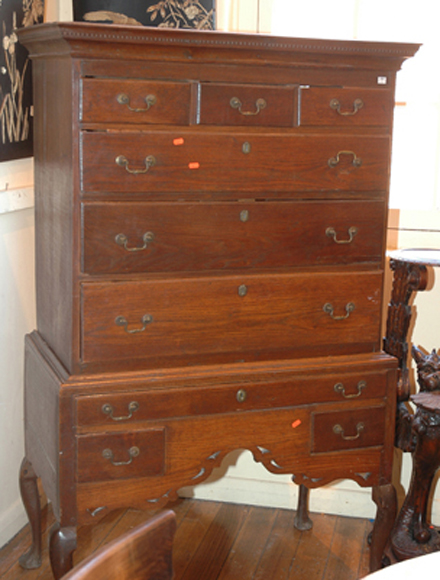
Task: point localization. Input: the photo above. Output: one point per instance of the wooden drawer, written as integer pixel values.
(346, 107)
(120, 455)
(249, 105)
(161, 237)
(312, 313)
(348, 429)
(135, 101)
(186, 162)
(132, 405)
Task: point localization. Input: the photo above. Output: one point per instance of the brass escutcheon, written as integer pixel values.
(260, 104)
(132, 452)
(124, 99)
(122, 240)
(246, 147)
(107, 409)
(338, 430)
(241, 396)
(244, 215)
(242, 290)
(339, 388)
(357, 105)
(331, 233)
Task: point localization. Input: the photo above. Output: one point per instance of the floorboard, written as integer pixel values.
(220, 541)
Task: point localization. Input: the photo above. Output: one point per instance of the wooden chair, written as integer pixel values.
(143, 553)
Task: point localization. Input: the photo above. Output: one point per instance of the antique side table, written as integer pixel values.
(418, 432)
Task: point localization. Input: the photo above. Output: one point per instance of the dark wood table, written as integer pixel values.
(416, 432)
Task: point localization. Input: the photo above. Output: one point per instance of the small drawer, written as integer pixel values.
(345, 107)
(348, 429)
(135, 237)
(139, 403)
(135, 101)
(121, 455)
(248, 105)
(311, 314)
(188, 162)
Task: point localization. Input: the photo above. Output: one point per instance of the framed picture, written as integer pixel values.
(198, 14)
(15, 79)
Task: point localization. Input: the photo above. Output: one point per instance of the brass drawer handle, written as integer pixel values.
(328, 308)
(260, 104)
(107, 409)
(357, 105)
(331, 233)
(122, 240)
(150, 161)
(124, 99)
(132, 452)
(333, 161)
(339, 388)
(338, 430)
(122, 321)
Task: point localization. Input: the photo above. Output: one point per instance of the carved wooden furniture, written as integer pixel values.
(143, 553)
(210, 224)
(417, 432)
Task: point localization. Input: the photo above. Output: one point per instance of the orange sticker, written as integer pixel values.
(179, 141)
(194, 165)
(296, 423)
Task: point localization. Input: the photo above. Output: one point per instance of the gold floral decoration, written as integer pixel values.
(181, 14)
(14, 118)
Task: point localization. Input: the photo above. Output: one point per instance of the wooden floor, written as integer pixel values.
(219, 541)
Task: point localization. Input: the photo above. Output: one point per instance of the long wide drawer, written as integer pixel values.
(130, 406)
(160, 237)
(185, 162)
(311, 313)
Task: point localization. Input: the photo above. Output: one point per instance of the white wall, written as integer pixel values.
(17, 316)
(242, 479)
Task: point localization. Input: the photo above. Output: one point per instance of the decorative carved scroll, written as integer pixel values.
(408, 278)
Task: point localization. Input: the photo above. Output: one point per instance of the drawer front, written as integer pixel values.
(314, 314)
(135, 101)
(121, 455)
(198, 162)
(346, 107)
(131, 406)
(248, 105)
(159, 237)
(348, 429)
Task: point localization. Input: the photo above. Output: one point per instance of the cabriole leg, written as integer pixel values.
(62, 546)
(31, 500)
(385, 498)
(302, 520)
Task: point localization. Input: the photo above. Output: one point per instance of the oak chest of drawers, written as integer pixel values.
(210, 222)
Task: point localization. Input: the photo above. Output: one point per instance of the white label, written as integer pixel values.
(382, 80)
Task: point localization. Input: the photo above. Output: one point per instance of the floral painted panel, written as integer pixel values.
(15, 79)
(197, 14)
